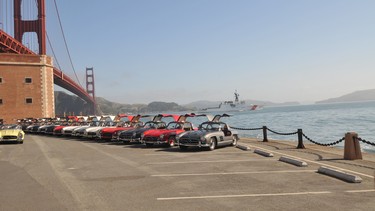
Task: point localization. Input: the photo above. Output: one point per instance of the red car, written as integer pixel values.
(168, 135)
(110, 133)
(57, 131)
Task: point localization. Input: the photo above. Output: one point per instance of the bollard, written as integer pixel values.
(265, 134)
(300, 139)
(352, 149)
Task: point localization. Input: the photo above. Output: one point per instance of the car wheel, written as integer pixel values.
(212, 144)
(19, 139)
(183, 148)
(172, 141)
(235, 139)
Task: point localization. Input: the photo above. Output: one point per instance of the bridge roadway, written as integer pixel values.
(8, 44)
(51, 173)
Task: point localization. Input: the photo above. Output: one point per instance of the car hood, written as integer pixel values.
(10, 132)
(160, 132)
(93, 129)
(137, 130)
(112, 130)
(195, 134)
(49, 126)
(81, 128)
(59, 127)
(43, 126)
(70, 127)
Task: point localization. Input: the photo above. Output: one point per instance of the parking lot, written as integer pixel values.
(48, 173)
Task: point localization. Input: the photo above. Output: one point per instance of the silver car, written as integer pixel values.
(210, 135)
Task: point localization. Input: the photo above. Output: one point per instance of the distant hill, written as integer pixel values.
(69, 104)
(363, 95)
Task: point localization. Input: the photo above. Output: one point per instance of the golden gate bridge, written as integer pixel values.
(12, 40)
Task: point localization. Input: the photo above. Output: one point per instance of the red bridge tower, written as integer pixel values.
(38, 26)
(90, 85)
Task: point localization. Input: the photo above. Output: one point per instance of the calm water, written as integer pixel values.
(323, 123)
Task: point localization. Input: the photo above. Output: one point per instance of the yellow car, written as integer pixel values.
(11, 133)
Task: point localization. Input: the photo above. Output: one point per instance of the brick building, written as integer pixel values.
(26, 87)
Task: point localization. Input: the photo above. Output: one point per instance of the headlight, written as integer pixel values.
(161, 136)
(203, 139)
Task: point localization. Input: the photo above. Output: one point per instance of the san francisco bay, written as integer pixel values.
(323, 123)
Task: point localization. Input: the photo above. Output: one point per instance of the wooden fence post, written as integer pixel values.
(300, 139)
(265, 134)
(352, 149)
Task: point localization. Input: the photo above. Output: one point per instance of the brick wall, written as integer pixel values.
(14, 69)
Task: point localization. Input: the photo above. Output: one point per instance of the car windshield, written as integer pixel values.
(156, 125)
(135, 124)
(95, 123)
(210, 126)
(150, 125)
(174, 125)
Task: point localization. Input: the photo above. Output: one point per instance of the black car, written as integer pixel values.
(134, 135)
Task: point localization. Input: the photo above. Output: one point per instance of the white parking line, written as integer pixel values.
(232, 173)
(319, 163)
(186, 153)
(216, 161)
(245, 195)
(360, 191)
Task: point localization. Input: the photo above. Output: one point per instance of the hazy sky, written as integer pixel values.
(188, 50)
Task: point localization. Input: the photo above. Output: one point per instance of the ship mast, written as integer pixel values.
(236, 96)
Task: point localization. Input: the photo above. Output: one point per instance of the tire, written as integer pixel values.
(172, 141)
(235, 139)
(212, 144)
(19, 139)
(183, 148)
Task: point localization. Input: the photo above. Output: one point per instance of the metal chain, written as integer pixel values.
(238, 128)
(329, 144)
(283, 134)
(366, 142)
(309, 139)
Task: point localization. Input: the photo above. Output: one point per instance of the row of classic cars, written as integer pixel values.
(130, 129)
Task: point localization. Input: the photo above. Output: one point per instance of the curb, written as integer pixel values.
(340, 174)
(293, 161)
(243, 147)
(264, 153)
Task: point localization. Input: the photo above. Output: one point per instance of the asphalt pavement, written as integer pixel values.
(53, 173)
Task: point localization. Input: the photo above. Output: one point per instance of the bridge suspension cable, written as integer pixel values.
(53, 52)
(66, 45)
